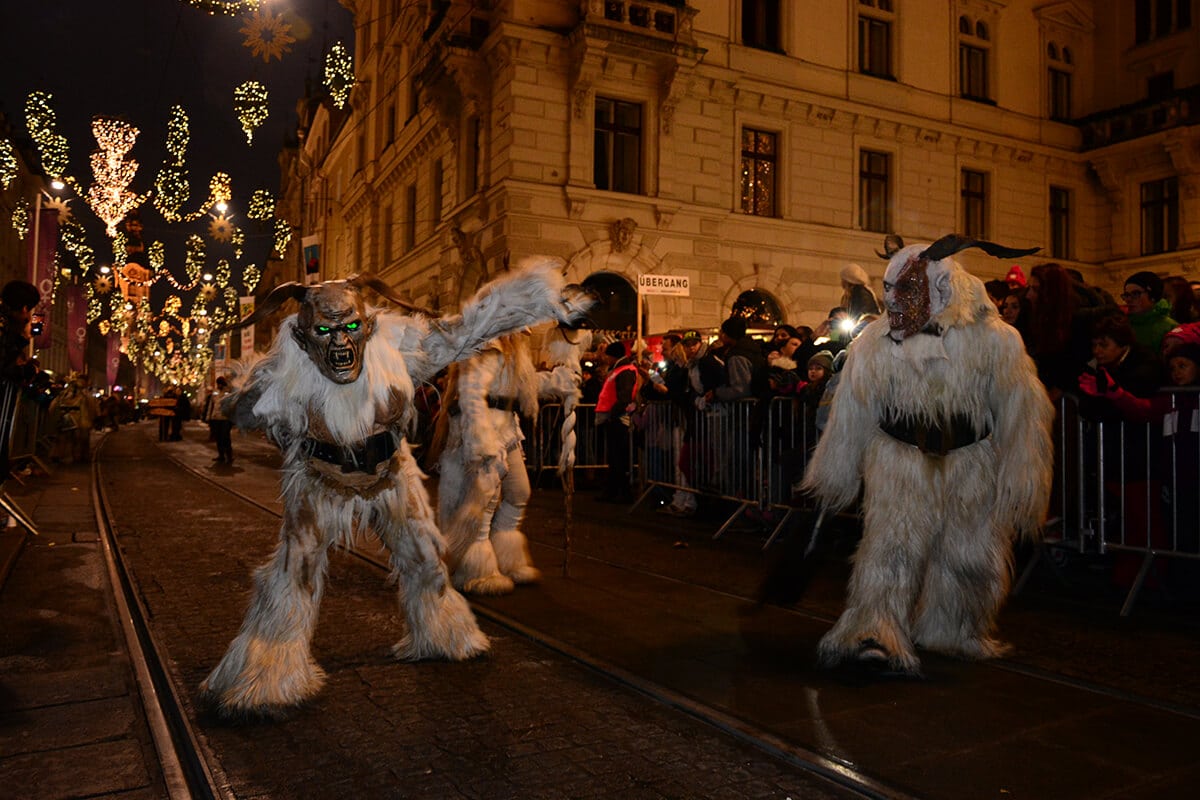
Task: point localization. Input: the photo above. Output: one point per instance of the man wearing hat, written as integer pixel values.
(612, 411)
(743, 358)
(1149, 313)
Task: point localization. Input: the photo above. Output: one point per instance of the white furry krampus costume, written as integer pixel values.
(940, 414)
(484, 486)
(335, 392)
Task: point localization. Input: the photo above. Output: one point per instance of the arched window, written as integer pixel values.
(759, 309)
(616, 307)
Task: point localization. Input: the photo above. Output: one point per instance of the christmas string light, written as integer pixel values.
(41, 123)
(8, 163)
(222, 273)
(250, 278)
(109, 195)
(262, 205)
(20, 217)
(171, 187)
(193, 260)
(339, 74)
(250, 104)
(283, 235)
(228, 8)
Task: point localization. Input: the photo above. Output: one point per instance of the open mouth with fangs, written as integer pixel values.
(341, 358)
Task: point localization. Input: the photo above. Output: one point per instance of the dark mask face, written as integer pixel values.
(333, 328)
(906, 294)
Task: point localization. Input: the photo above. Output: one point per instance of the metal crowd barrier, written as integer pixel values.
(1125, 487)
(20, 423)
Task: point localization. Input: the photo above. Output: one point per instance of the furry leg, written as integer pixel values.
(511, 546)
(967, 576)
(475, 568)
(440, 623)
(268, 666)
(884, 584)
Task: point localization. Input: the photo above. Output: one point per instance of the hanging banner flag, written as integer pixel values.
(43, 243)
(76, 326)
(246, 305)
(311, 246)
(112, 359)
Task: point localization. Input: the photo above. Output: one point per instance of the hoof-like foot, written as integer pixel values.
(494, 584)
(525, 574)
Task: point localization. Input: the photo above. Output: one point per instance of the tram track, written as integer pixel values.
(186, 773)
(842, 773)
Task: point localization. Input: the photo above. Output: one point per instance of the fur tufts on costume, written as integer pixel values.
(941, 417)
(335, 393)
(484, 485)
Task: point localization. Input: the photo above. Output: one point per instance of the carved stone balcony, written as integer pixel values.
(640, 20)
(1140, 119)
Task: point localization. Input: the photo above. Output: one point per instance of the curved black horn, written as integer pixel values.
(892, 244)
(270, 304)
(376, 284)
(953, 243)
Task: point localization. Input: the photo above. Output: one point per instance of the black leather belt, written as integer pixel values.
(937, 440)
(363, 457)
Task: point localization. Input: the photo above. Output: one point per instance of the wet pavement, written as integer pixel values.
(1088, 705)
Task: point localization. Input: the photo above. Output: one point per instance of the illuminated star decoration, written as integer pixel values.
(339, 74)
(109, 196)
(267, 35)
(8, 164)
(220, 229)
(61, 205)
(250, 103)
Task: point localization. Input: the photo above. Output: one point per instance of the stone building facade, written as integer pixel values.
(753, 146)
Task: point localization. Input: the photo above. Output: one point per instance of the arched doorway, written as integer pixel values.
(758, 308)
(616, 309)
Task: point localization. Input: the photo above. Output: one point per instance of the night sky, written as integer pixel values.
(136, 58)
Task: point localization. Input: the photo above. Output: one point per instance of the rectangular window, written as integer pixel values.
(759, 167)
(760, 24)
(874, 181)
(470, 162)
(1154, 19)
(358, 265)
(618, 146)
(1060, 95)
(435, 193)
(974, 204)
(385, 238)
(875, 44)
(1060, 222)
(360, 151)
(410, 218)
(1160, 216)
(972, 72)
(390, 125)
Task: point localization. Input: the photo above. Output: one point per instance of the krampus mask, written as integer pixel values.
(333, 325)
(916, 284)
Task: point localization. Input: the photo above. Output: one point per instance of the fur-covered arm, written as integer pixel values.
(563, 380)
(247, 384)
(835, 471)
(1024, 418)
(475, 377)
(531, 295)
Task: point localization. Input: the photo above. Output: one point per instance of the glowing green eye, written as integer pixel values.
(322, 329)
(353, 326)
